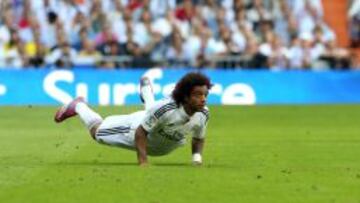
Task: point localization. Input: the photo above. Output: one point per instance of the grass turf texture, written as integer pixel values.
(252, 154)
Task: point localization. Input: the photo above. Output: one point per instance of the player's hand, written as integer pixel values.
(197, 159)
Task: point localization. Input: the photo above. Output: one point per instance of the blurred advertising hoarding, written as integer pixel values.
(231, 87)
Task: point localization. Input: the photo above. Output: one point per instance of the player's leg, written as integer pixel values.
(146, 92)
(90, 118)
(119, 130)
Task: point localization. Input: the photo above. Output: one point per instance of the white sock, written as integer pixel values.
(147, 95)
(89, 117)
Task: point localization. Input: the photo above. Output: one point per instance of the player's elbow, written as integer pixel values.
(140, 132)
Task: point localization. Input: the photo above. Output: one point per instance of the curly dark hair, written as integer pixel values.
(184, 87)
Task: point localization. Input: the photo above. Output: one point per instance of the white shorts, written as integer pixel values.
(120, 130)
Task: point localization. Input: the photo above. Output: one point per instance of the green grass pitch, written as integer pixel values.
(252, 154)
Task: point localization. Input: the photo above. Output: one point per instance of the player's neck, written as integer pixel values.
(188, 110)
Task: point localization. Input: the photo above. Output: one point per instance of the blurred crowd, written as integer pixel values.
(107, 34)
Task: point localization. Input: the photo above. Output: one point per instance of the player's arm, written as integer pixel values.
(198, 138)
(153, 117)
(196, 149)
(140, 144)
(149, 122)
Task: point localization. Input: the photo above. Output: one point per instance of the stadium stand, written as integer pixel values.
(234, 34)
(353, 16)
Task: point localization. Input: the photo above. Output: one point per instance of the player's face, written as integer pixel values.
(198, 96)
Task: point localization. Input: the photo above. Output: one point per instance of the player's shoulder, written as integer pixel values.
(204, 113)
(164, 106)
(166, 102)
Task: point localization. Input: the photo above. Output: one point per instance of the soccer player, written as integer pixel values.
(159, 129)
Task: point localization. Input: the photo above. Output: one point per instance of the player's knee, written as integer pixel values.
(94, 130)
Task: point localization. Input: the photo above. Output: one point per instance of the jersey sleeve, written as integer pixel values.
(201, 124)
(156, 115)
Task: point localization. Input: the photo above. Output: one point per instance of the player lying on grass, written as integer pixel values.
(159, 129)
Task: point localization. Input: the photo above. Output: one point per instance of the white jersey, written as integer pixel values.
(168, 124)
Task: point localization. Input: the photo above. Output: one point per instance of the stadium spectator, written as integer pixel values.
(6, 23)
(97, 18)
(88, 55)
(241, 29)
(175, 53)
(354, 18)
(50, 28)
(13, 51)
(204, 46)
(38, 59)
(78, 29)
(62, 55)
(111, 50)
(25, 22)
(226, 39)
(308, 14)
(130, 47)
(160, 8)
(143, 29)
(80, 39)
(210, 12)
(4, 31)
(336, 57)
(306, 53)
(105, 35)
(252, 58)
(185, 11)
(284, 21)
(257, 14)
(36, 50)
(275, 51)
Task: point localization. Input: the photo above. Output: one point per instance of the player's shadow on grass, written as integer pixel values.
(95, 163)
(172, 164)
(189, 165)
(156, 164)
(114, 164)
